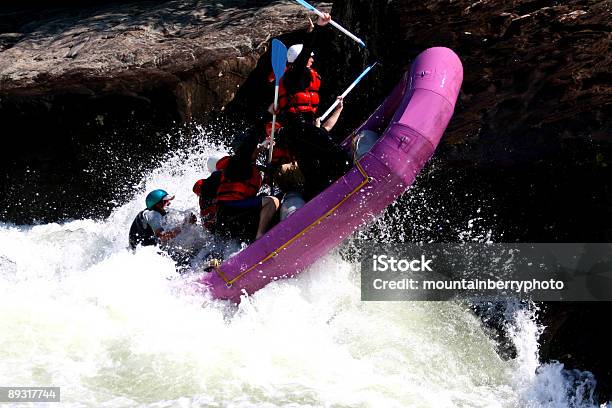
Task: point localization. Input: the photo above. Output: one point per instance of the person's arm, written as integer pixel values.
(155, 221)
(310, 41)
(297, 77)
(197, 187)
(333, 118)
(165, 236)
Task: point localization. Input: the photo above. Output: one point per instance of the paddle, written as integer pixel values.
(346, 92)
(279, 63)
(332, 22)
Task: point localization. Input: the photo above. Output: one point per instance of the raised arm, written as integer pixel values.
(333, 118)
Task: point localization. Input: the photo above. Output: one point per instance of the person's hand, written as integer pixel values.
(165, 236)
(191, 219)
(318, 122)
(264, 145)
(324, 20)
(273, 111)
(340, 100)
(310, 26)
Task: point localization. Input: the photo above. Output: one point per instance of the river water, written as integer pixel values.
(114, 328)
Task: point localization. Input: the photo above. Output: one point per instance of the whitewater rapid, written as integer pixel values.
(114, 328)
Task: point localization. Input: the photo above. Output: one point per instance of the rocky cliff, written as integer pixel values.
(531, 67)
(535, 106)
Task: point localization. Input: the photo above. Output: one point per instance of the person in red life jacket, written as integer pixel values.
(299, 87)
(298, 90)
(206, 190)
(241, 212)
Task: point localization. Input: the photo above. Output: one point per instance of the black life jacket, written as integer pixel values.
(141, 233)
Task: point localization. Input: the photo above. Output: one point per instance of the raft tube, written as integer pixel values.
(410, 122)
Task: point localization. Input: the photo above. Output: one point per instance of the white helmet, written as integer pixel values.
(293, 52)
(211, 162)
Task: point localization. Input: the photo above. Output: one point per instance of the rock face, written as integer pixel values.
(532, 128)
(81, 87)
(535, 110)
(544, 62)
(201, 52)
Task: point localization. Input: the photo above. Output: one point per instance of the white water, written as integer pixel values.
(117, 329)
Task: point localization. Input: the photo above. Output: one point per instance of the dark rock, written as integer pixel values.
(200, 52)
(574, 335)
(530, 67)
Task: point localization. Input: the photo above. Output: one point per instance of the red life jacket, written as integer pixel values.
(206, 190)
(280, 155)
(303, 101)
(239, 190)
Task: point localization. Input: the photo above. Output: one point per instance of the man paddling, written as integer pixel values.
(241, 213)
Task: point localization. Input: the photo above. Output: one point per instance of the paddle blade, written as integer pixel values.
(279, 59)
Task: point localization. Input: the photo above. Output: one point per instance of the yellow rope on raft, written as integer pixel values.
(366, 179)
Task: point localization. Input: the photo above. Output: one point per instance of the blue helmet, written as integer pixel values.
(155, 197)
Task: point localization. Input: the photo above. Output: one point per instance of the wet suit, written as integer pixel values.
(319, 158)
(238, 219)
(142, 231)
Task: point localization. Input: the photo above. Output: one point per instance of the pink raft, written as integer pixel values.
(411, 122)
